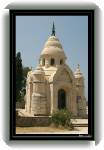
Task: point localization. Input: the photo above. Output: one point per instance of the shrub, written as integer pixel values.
(62, 118)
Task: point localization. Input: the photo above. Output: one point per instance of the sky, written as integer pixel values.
(72, 31)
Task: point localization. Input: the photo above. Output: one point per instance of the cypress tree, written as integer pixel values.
(19, 76)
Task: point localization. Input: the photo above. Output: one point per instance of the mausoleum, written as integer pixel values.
(53, 86)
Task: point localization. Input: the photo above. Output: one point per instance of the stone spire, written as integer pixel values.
(78, 73)
(53, 30)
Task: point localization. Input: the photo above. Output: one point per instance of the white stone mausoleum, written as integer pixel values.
(52, 85)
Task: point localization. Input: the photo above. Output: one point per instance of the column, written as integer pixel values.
(46, 62)
(51, 93)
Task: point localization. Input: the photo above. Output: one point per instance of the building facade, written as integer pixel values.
(52, 85)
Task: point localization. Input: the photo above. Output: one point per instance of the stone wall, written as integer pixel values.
(33, 121)
(20, 105)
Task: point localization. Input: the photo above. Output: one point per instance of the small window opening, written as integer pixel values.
(43, 62)
(52, 61)
(61, 62)
(78, 98)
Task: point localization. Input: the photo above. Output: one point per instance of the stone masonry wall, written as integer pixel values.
(33, 121)
(20, 105)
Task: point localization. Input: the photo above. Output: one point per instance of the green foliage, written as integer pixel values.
(62, 118)
(21, 74)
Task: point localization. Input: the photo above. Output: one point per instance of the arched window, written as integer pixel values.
(61, 99)
(43, 62)
(52, 61)
(61, 62)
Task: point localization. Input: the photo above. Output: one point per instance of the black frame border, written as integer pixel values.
(74, 12)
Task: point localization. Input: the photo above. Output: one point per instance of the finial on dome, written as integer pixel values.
(78, 73)
(53, 30)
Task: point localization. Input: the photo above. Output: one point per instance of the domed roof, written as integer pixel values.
(52, 46)
(53, 41)
(78, 73)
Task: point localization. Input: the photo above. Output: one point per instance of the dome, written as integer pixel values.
(53, 47)
(78, 73)
(53, 41)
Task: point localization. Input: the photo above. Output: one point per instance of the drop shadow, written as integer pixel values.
(33, 5)
(97, 79)
(6, 90)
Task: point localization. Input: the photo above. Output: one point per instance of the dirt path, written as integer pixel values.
(50, 130)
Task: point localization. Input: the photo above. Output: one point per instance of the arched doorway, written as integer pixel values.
(61, 99)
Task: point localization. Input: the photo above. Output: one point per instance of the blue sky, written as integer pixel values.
(33, 31)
